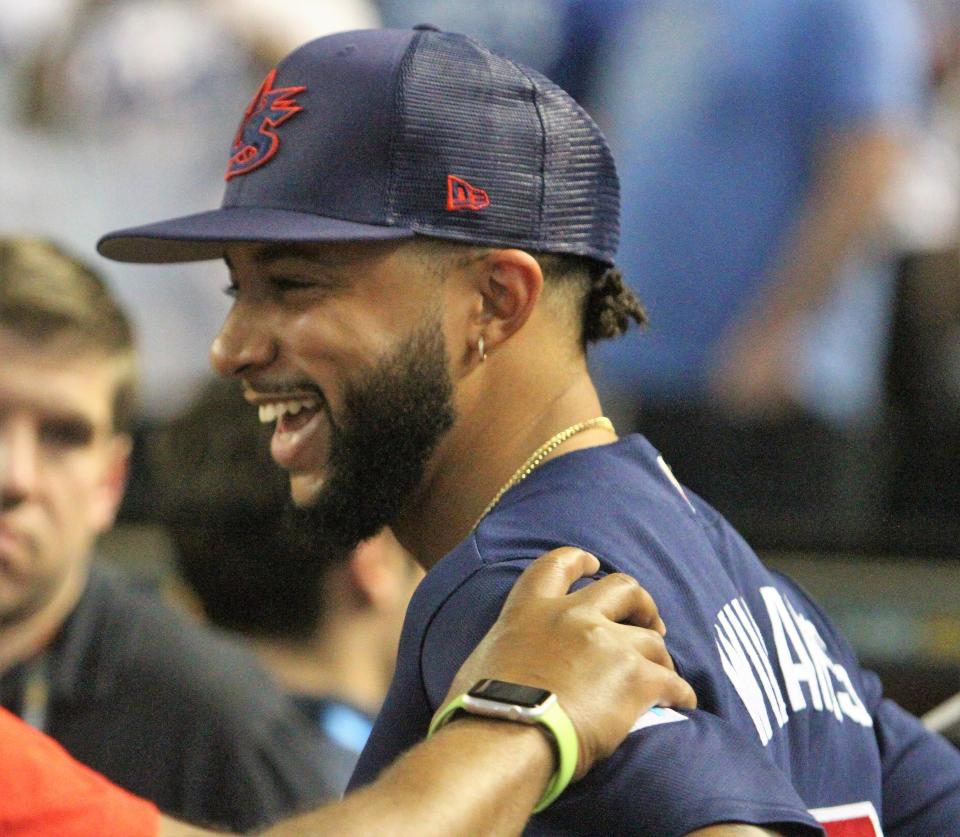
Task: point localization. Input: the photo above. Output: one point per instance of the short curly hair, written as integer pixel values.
(605, 303)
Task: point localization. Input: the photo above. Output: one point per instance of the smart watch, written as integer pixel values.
(526, 705)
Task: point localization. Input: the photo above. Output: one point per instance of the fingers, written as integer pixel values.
(648, 642)
(552, 574)
(621, 599)
(678, 693)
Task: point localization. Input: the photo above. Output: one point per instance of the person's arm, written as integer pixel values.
(753, 363)
(479, 776)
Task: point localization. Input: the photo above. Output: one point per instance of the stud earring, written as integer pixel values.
(480, 349)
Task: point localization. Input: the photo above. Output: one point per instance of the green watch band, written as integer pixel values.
(526, 705)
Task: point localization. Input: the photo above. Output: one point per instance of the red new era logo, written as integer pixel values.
(461, 195)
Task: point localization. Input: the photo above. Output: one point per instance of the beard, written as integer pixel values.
(392, 420)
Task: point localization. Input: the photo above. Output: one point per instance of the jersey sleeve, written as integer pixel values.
(921, 775)
(667, 778)
(45, 791)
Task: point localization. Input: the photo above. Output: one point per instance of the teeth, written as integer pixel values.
(271, 412)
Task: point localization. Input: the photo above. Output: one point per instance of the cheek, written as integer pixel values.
(338, 343)
(63, 531)
(83, 500)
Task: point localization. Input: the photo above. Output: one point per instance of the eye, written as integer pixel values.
(291, 283)
(67, 433)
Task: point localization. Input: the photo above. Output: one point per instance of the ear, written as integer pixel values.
(113, 481)
(370, 574)
(510, 283)
(383, 573)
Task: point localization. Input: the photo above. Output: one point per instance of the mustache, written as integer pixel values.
(285, 387)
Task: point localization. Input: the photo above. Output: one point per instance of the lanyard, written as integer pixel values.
(36, 693)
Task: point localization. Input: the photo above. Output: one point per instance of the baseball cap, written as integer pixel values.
(385, 134)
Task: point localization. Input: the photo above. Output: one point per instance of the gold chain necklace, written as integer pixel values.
(540, 454)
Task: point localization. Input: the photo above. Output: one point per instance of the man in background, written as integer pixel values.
(324, 623)
(158, 705)
(755, 143)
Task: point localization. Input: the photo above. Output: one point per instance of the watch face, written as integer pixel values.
(514, 693)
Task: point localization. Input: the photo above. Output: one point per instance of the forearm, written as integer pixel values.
(475, 776)
(479, 776)
(852, 174)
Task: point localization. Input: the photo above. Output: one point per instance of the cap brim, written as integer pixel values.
(194, 238)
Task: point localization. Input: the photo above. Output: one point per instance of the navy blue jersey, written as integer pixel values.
(787, 723)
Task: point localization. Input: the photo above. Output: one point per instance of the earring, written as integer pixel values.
(480, 349)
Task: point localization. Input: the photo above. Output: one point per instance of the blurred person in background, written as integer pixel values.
(563, 39)
(923, 212)
(325, 624)
(121, 107)
(755, 143)
(159, 705)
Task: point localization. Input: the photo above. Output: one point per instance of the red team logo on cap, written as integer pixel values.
(461, 195)
(256, 140)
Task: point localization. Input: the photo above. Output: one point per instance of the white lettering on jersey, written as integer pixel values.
(746, 662)
(806, 669)
(795, 663)
(858, 819)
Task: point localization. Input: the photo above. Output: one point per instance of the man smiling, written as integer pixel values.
(420, 253)
(372, 395)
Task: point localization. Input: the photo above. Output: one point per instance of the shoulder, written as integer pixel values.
(620, 502)
(142, 647)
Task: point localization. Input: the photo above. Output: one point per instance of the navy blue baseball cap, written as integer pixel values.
(385, 134)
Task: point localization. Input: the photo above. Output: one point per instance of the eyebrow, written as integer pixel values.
(278, 251)
(318, 253)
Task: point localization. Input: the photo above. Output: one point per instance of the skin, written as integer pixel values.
(61, 485)
(316, 317)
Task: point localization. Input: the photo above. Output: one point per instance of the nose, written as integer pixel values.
(244, 343)
(19, 463)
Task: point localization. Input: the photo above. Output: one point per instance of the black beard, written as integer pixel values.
(392, 420)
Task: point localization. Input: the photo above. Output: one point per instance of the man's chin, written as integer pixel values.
(18, 603)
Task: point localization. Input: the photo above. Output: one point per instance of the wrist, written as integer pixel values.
(513, 704)
(527, 750)
(528, 741)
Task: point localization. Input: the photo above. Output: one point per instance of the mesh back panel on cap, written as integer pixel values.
(581, 193)
(467, 112)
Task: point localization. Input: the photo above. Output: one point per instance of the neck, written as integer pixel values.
(337, 665)
(487, 446)
(27, 637)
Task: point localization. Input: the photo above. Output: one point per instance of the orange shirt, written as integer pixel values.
(45, 791)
